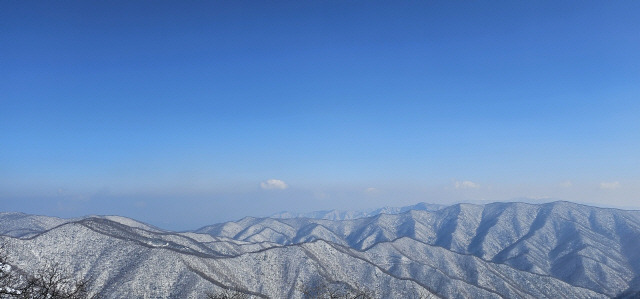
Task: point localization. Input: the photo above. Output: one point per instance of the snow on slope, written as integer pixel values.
(24, 225)
(348, 215)
(512, 250)
(122, 267)
(579, 244)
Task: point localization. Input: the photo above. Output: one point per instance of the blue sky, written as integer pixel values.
(189, 113)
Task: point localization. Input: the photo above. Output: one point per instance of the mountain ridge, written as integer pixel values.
(354, 214)
(520, 250)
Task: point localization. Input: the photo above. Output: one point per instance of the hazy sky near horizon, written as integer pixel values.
(188, 113)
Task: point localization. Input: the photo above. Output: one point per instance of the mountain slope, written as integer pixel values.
(349, 215)
(25, 225)
(499, 250)
(581, 245)
(126, 266)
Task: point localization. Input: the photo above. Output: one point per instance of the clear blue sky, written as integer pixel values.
(179, 113)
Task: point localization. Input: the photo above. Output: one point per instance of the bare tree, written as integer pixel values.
(8, 277)
(52, 282)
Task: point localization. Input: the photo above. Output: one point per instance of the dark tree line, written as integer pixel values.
(317, 290)
(320, 290)
(228, 294)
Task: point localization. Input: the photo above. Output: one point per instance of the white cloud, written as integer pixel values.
(274, 184)
(610, 185)
(466, 185)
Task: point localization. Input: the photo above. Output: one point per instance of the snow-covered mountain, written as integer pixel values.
(499, 250)
(348, 215)
(23, 225)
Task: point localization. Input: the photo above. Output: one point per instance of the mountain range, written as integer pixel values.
(347, 215)
(497, 250)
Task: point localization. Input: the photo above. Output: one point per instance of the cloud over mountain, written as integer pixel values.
(272, 184)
